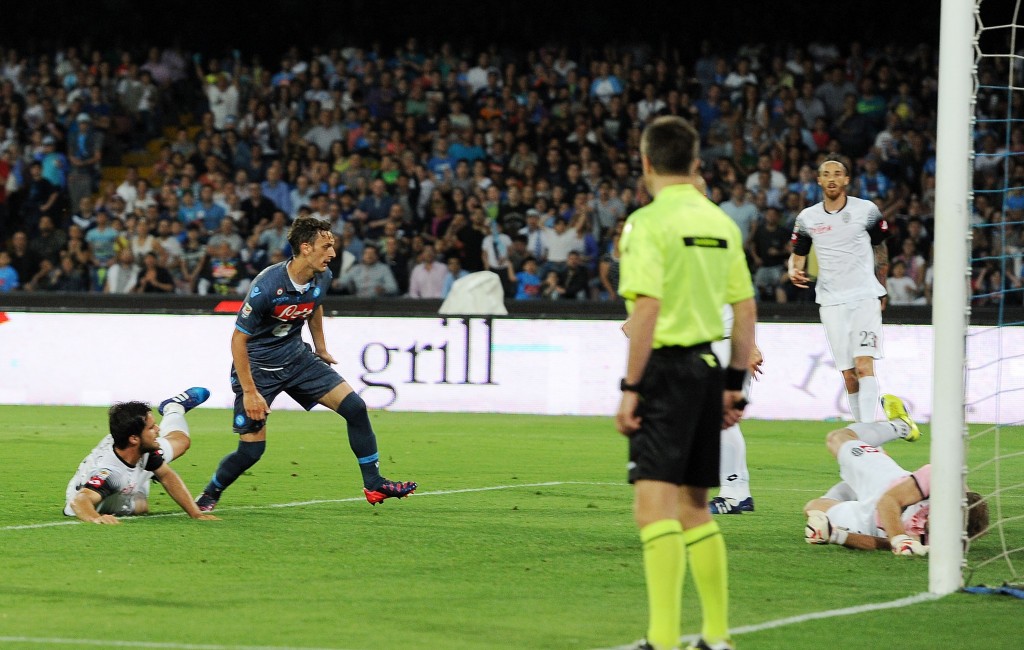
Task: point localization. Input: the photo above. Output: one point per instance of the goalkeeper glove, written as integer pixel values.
(907, 545)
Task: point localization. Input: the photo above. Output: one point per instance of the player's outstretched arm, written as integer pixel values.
(175, 487)
(84, 505)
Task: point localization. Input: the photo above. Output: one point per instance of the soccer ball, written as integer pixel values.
(818, 528)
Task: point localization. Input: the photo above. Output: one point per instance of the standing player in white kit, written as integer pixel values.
(847, 233)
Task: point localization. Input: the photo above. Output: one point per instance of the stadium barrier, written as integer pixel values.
(400, 355)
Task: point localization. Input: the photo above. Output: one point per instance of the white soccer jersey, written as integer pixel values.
(117, 482)
(843, 241)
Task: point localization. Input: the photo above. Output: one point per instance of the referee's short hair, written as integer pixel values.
(671, 144)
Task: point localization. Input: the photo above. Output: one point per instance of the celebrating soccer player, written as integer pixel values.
(270, 357)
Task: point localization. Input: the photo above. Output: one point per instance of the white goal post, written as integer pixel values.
(950, 312)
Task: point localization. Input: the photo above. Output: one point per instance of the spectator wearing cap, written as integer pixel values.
(84, 152)
(54, 163)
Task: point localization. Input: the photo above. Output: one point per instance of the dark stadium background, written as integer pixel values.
(270, 27)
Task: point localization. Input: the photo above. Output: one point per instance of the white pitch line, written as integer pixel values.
(813, 616)
(297, 504)
(146, 644)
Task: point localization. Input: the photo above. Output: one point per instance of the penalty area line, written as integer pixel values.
(314, 502)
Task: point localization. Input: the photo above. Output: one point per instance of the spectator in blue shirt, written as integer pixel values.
(871, 183)
(527, 282)
(276, 189)
(605, 84)
(55, 164)
(8, 276)
(455, 271)
(209, 211)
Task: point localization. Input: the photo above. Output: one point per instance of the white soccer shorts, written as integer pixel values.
(853, 330)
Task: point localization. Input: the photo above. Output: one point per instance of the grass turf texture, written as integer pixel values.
(554, 566)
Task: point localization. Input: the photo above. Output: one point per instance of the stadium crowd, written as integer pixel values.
(180, 172)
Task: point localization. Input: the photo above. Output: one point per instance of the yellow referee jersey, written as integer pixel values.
(684, 251)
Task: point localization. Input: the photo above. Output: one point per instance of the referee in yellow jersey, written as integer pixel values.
(681, 260)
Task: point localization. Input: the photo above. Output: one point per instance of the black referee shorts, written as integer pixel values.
(681, 410)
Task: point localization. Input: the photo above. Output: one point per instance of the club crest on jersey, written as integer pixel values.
(300, 311)
(316, 292)
(98, 479)
(845, 217)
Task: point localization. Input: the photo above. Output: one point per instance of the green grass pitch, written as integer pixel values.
(521, 537)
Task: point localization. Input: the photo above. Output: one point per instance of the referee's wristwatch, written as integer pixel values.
(625, 387)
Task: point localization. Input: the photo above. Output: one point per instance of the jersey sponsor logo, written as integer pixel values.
(705, 242)
(246, 310)
(281, 330)
(279, 300)
(301, 311)
(821, 229)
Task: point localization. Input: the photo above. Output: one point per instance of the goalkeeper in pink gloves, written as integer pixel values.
(878, 504)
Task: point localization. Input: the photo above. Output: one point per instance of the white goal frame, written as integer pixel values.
(950, 309)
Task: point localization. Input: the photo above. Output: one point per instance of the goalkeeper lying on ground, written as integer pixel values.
(878, 504)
